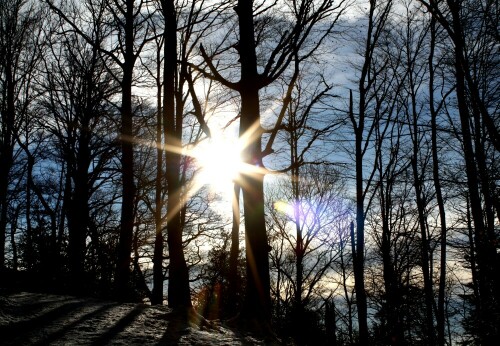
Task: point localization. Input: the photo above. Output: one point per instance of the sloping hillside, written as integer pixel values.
(41, 319)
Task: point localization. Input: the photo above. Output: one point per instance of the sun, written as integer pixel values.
(220, 163)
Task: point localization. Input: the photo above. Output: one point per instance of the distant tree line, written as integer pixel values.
(370, 209)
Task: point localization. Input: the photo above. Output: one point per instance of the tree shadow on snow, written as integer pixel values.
(119, 326)
(54, 337)
(16, 332)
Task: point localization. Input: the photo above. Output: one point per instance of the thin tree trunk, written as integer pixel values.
(429, 297)
(485, 259)
(417, 182)
(29, 252)
(122, 282)
(440, 317)
(233, 276)
(299, 242)
(6, 150)
(5, 164)
(392, 292)
(157, 293)
(346, 293)
(359, 240)
(179, 296)
(472, 252)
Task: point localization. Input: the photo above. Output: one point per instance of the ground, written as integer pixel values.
(42, 319)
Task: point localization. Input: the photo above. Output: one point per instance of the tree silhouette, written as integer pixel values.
(305, 16)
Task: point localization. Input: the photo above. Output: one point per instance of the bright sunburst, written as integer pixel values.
(220, 163)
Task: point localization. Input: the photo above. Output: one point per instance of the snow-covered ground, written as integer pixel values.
(42, 319)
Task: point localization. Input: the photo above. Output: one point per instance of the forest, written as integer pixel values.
(325, 171)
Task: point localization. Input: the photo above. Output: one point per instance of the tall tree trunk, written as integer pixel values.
(79, 172)
(78, 216)
(429, 297)
(299, 242)
(359, 240)
(483, 257)
(157, 293)
(78, 203)
(392, 291)
(299, 270)
(257, 306)
(179, 296)
(488, 261)
(440, 316)
(122, 283)
(417, 182)
(366, 81)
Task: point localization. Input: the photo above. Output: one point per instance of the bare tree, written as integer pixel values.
(312, 210)
(363, 131)
(434, 111)
(475, 112)
(198, 19)
(131, 25)
(306, 15)
(178, 289)
(20, 40)
(78, 91)
(414, 41)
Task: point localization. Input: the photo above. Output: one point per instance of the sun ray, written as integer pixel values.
(219, 161)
